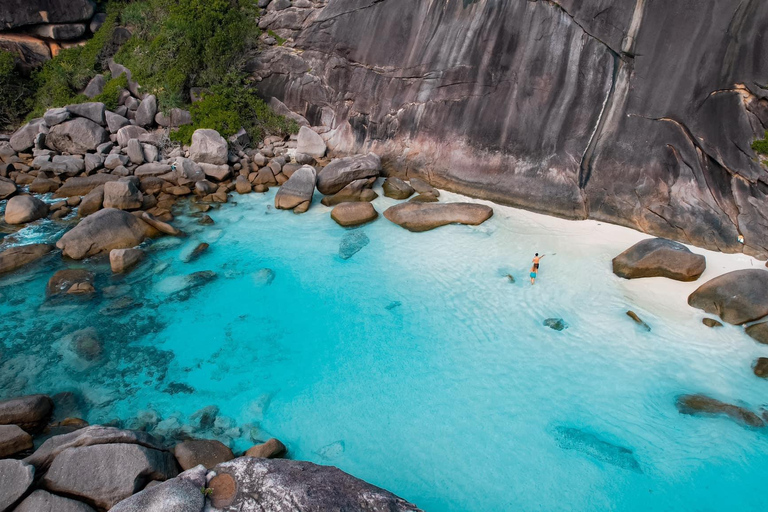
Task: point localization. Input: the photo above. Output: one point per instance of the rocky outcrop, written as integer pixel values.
(627, 113)
(77, 136)
(18, 13)
(296, 193)
(101, 232)
(28, 412)
(737, 297)
(273, 485)
(16, 477)
(424, 217)
(657, 257)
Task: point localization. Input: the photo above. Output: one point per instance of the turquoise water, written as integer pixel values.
(416, 364)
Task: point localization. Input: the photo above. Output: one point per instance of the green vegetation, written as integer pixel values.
(280, 40)
(15, 91)
(761, 146)
(110, 96)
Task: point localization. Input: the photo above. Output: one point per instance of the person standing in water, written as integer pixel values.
(535, 268)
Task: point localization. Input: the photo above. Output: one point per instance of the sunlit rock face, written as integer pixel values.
(636, 112)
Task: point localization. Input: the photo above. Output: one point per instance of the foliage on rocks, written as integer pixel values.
(15, 90)
(761, 146)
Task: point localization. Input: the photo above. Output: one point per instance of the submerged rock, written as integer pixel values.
(83, 185)
(352, 243)
(63, 280)
(638, 320)
(16, 477)
(423, 217)
(273, 485)
(569, 438)
(17, 257)
(737, 297)
(704, 405)
(42, 501)
(264, 277)
(557, 324)
(658, 257)
(101, 232)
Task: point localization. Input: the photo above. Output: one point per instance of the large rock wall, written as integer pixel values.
(637, 112)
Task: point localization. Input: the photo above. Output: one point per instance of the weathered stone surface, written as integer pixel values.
(13, 440)
(24, 138)
(354, 214)
(152, 169)
(96, 85)
(29, 412)
(103, 475)
(115, 121)
(24, 209)
(175, 118)
(176, 495)
(396, 188)
(129, 132)
(657, 257)
(122, 194)
(93, 111)
(343, 171)
(216, 172)
(7, 188)
(310, 143)
(162, 227)
(101, 232)
(737, 297)
(56, 116)
(274, 485)
(207, 452)
(423, 217)
(242, 185)
(15, 478)
(759, 332)
(609, 144)
(704, 405)
(30, 50)
(42, 501)
(77, 136)
(17, 257)
(122, 260)
(357, 191)
(17, 13)
(297, 192)
(208, 147)
(760, 368)
(69, 279)
(61, 32)
(83, 185)
(115, 160)
(145, 115)
(268, 450)
(92, 202)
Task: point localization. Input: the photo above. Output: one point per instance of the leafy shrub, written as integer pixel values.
(15, 91)
(761, 146)
(110, 96)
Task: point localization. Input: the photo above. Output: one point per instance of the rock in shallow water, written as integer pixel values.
(557, 324)
(17, 257)
(352, 243)
(24, 209)
(761, 367)
(759, 332)
(207, 452)
(101, 232)
(354, 214)
(397, 188)
(658, 257)
(594, 446)
(737, 297)
(268, 450)
(702, 404)
(423, 217)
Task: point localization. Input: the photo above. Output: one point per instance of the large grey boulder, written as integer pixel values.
(23, 209)
(92, 110)
(23, 139)
(29, 412)
(56, 116)
(188, 169)
(7, 188)
(13, 440)
(63, 165)
(737, 297)
(15, 479)
(343, 171)
(425, 216)
(180, 494)
(135, 152)
(77, 136)
(208, 147)
(296, 193)
(310, 143)
(95, 86)
(175, 118)
(115, 160)
(103, 475)
(277, 485)
(101, 232)
(658, 257)
(17, 257)
(129, 132)
(115, 121)
(83, 185)
(357, 191)
(152, 169)
(42, 501)
(145, 115)
(17, 13)
(60, 32)
(216, 172)
(123, 195)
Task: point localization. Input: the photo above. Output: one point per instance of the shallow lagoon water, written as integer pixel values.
(416, 364)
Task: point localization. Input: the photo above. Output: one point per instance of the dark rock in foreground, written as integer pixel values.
(737, 297)
(13, 440)
(658, 257)
(101, 232)
(181, 494)
(702, 404)
(276, 485)
(423, 217)
(29, 412)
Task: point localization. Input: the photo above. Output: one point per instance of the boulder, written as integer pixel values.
(83, 185)
(296, 193)
(56, 116)
(7, 188)
(93, 111)
(16, 257)
(357, 191)
(397, 188)
(31, 412)
(64, 165)
(15, 479)
(78, 136)
(422, 187)
(103, 475)
(92, 202)
(711, 322)
(194, 452)
(152, 169)
(271, 449)
(354, 214)
(188, 169)
(30, 51)
(310, 143)
(658, 257)
(101, 232)
(341, 172)
(24, 209)
(759, 332)
(162, 227)
(122, 260)
(145, 114)
(208, 147)
(42, 501)
(64, 280)
(115, 160)
(737, 297)
(14, 440)
(43, 186)
(23, 139)
(95, 86)
(180, 494)
(122, 194)
(704, 405)
(419, 217)
(761, 367)
(115, 121)
(273, 485)
(135, 152)
(93, 162)
(424, 198)
(175, 118)
(129, 132)
(242, 185)
(44, 11)
(216, 172)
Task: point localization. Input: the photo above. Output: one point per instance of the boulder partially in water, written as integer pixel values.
(758, 332)
(63, 280)
(761, 367)
(122, 260)
(737, 297)
(24, 209)
(83, 185)
(17, 257)
(267, 450)
(704, 405)
(271, 485)
(208, 452)
(31, 412)
(354, 214)
(296, 193)
(424, 217)
(101, 232)
(658, 257)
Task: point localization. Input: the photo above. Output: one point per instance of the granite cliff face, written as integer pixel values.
(636, 112)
